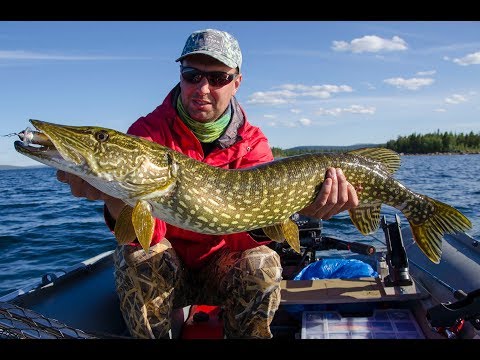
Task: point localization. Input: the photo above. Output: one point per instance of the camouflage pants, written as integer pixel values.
(245, 283)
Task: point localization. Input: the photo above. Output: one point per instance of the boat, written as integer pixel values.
(407, 297)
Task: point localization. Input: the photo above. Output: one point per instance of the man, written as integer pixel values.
(201, 118)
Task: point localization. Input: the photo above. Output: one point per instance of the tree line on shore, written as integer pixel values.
(431, 143)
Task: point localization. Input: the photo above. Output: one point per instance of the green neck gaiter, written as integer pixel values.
(205, 132)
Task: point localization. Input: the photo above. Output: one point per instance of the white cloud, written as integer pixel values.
(271, 97)
(455, 99)
(371, 43)
(305, 121)
(288, 93)
(353, 109)
(470, 59)
(426, 73)
(332, 111)
(409, 84)
(440, 110)
(360, 109)
(295, 111)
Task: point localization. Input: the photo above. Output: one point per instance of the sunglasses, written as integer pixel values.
(214, 78)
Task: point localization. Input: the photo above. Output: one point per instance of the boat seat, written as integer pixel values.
(335, 291)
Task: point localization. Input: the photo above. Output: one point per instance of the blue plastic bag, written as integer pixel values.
(336, 269)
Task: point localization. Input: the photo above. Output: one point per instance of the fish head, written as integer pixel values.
(116, 163)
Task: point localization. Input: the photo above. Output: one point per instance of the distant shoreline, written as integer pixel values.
(13, 167)
(440, 153)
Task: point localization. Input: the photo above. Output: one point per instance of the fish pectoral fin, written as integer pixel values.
(143, 223)
(124, 231)
(286, 230)
(274, 232)
(366, 218)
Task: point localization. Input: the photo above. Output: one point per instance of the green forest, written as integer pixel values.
(438, 142)
(431, 143)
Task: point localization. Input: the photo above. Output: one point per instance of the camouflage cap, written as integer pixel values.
(215, 43)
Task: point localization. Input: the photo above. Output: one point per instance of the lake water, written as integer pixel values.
(43, 228)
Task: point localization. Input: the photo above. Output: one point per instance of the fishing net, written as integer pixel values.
(20, 323)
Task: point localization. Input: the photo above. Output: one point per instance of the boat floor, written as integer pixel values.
(86, 299)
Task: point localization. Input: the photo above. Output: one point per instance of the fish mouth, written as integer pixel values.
(41, 144)
(33, 148)
(33, 142)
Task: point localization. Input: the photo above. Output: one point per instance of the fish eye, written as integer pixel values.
(101, 136)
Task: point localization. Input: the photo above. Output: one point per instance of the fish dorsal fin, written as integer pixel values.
(286, 230)
(124, 231)
(366, 218)
(389, 158)
(143, 223)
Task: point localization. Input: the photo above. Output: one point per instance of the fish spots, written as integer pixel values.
(213, 202)
(207, 209)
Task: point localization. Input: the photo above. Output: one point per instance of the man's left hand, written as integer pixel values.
(335, 196)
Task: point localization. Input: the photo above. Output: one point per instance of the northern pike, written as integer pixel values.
(158, 182)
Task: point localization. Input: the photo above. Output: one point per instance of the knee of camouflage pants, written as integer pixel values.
(254, 293)
(145, 283)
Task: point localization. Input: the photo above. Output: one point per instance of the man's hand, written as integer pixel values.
(81, 188)
(335, 196)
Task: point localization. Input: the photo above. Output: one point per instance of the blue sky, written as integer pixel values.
(304, 82)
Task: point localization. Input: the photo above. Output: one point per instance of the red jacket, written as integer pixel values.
(242, 145)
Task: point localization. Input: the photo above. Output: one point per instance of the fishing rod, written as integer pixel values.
(457, 293)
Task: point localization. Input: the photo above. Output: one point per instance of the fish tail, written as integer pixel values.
(429, 223)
